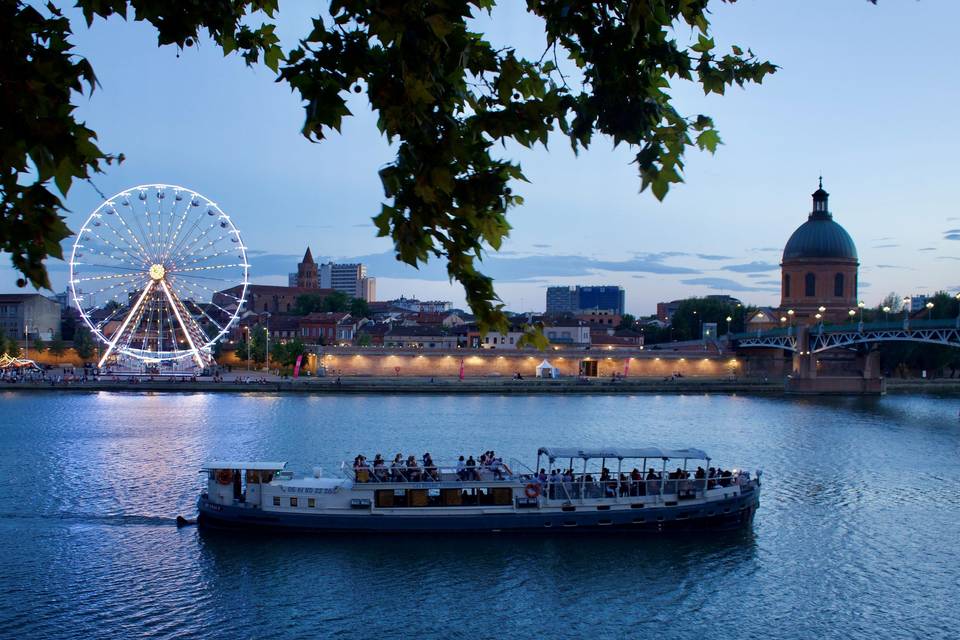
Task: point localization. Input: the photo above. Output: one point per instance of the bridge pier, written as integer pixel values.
(804, 380)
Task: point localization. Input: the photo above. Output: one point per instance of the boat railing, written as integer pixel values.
(579, 487)
(436, 473)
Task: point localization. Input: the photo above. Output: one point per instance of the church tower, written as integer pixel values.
(307, 272)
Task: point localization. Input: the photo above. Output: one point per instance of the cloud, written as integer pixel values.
(927, 249)
(751, 267)
(953, 234)
(757, 275)
(882, 239)
(724, 284)
(764, 249)
(363, 225)
(885, 246)
(710, 256)
(542, 246)
(893, 266)
(947, 258)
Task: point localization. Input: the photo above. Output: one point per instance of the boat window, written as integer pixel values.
(276, 501)
(293, 502)
(311, 502)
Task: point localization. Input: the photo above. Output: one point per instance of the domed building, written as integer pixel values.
(819, 267)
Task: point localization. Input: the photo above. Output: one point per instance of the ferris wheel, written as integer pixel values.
(159, 274)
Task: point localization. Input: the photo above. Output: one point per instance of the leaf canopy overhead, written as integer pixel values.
(442, 93)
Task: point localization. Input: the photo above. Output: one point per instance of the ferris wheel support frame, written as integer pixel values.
(183, 326)
(126, 321)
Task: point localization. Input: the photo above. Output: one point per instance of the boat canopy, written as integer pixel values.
(555, 453)
(249, 466)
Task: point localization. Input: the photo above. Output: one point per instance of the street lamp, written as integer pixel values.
(860, 306)
(246, 333)
(929, 306)
(729, 319)
(790, 313)
(851, 313)
(886, 313)
(958, 310)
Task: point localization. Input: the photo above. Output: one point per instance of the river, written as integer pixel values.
(856, 536)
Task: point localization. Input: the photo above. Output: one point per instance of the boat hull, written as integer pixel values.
(726, 514)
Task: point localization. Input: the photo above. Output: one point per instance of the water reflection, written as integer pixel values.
(854, 535)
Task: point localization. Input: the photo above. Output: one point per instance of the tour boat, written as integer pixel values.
(649, 490)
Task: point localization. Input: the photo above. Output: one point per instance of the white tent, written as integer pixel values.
(547, 370)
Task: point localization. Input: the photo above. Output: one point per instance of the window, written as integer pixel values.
(293, 502)
(786, 285)
(810, 285)
(838, 285)
(276, 501)
(311, 502)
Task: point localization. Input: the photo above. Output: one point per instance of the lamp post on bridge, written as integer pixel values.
(958, 310)
(929, 306)
(790, 314)
(886, 314)
(860, 306)
(822, 310)
(906, 313)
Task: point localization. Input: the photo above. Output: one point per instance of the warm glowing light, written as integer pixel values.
(157, 271)
(821, 309)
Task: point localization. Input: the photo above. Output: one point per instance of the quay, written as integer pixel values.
(259, 383)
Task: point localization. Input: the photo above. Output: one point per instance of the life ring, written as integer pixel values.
(532, 490)
(224, 476)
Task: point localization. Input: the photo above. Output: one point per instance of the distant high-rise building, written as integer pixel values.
(583, 299)
(603, 297)
(561, 299)
(350, 278)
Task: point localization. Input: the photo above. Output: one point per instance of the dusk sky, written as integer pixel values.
(866, 96)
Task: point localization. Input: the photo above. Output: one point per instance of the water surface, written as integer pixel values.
(856, 535)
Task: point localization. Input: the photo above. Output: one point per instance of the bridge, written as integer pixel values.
(807, 341)
(824, 337)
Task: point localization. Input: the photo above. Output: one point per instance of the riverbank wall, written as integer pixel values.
(442, 385)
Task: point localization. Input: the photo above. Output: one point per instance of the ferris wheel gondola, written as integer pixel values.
(144, 270)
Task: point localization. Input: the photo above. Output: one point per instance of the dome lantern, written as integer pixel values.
(820, 197)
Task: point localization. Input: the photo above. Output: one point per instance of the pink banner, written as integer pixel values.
(461, 368)
(296, 367)
(626, 367)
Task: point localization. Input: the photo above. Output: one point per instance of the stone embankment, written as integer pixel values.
(445, 385)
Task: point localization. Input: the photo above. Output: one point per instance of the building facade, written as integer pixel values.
(29, 315)
(580, 299)
(561, 299)
(307, 272)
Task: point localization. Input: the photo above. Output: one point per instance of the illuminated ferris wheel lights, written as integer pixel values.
(153, 241)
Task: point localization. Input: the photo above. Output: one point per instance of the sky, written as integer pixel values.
(865, 96)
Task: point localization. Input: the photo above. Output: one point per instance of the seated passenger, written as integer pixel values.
(429, 469)
(496, 467)
(472, 473)
(413, 471)
(396, 469)
(461, 469)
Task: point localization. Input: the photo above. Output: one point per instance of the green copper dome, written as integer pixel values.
(820, 236)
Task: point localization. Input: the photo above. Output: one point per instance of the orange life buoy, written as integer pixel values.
(532, 490)
(224, 476)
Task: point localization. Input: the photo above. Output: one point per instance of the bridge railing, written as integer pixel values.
(850, 327)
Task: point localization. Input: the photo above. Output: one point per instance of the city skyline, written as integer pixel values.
(584, 222)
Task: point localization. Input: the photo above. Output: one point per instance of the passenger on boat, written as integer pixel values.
(461, 469)
(379, 468)
(429, 469)
(396, 468)
(472, 469)
(413, 471)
